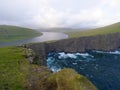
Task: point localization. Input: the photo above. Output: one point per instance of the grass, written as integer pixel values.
(13, 69)
(14, 33)
(115, 28)
(16, 73)
(68, 79)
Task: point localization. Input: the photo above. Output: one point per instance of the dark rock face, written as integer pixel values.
(40, 51)
(99, 42)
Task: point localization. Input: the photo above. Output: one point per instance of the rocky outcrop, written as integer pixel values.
(40, 52)
(100, 42)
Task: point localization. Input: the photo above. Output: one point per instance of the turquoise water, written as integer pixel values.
(101, 68)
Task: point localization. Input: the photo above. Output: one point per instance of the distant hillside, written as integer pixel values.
(14, 33)
(114, 28)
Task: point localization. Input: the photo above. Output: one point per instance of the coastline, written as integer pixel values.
(107, 42)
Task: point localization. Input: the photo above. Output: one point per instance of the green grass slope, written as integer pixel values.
(68, 79)
(114, 28)
(13, 69)
(14, 33)
(16, 73)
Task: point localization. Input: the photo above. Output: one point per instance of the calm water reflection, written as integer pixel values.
(47, 36)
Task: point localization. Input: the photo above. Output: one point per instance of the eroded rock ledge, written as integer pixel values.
(99, 42)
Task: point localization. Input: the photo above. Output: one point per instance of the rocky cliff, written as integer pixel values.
(100, 42)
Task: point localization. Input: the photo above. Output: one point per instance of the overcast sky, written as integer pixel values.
(59, 13)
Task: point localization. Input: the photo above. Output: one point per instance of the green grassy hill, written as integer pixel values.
(68, 79)
(114, 28)
(16, 73)
(14, 33)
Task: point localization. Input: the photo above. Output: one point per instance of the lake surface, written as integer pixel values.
(101, 68)
(47, 36)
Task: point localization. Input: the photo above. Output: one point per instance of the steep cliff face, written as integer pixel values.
(40, 51)
(100, 42)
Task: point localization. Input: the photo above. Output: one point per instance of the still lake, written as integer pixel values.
(47, 36)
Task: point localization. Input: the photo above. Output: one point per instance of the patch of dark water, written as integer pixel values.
(101, 68)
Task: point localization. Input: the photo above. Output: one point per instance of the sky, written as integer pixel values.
(59, 13)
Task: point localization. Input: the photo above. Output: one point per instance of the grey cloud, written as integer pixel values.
(44, 13)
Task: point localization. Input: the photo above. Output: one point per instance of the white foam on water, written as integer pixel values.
(116, 52)
(111, 52)
(55, 69)
(71, 55)
(82, 54)
(74, 55)
(62, 55)
(87, 57)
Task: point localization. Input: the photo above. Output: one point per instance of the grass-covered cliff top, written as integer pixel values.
(13, 69)
(14, 33)
(114, 28)
(68, 79)
(16, 73)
